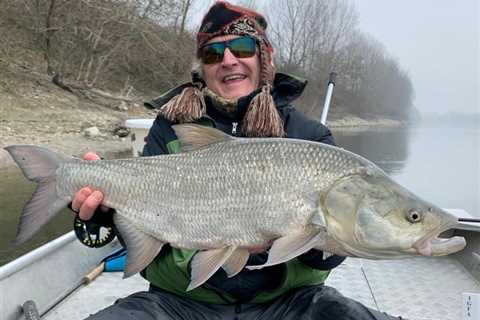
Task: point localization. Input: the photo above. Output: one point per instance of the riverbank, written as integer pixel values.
(63, 126)
(35, 111)
(64, 130)
(69, 129)
(356, 123)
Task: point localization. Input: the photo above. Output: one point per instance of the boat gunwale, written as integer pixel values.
(39, 253)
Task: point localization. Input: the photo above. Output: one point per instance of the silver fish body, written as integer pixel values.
(234, 193)
(226, 195)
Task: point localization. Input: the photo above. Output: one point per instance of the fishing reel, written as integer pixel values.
(96, 232)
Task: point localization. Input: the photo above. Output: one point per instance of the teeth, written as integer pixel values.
(234, 77)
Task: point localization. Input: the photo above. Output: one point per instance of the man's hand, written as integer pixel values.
(86, 201)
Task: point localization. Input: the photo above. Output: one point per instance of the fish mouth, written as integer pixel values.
(433, 245)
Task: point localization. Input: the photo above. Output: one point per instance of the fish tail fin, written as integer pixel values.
(39, 165)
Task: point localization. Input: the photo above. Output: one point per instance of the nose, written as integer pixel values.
(229, 58)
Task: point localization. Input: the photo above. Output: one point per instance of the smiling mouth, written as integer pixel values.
(233, 78)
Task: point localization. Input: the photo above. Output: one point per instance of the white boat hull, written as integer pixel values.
(47, 274)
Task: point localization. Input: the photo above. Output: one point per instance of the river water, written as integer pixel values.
(440, 164)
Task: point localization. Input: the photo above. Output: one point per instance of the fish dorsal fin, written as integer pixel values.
(194, 136)
(142, 248)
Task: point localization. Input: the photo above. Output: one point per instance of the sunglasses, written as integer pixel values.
(244, 47)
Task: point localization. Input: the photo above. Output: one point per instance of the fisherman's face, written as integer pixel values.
(232, 77)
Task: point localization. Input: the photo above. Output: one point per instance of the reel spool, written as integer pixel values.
(94, 233)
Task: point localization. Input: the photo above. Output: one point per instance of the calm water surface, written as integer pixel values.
(440, 164)
(15, 190)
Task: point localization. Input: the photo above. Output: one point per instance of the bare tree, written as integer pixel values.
(128, 46)
(185, 8)
(315, 37)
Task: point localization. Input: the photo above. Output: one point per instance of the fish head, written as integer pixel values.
(372, 216)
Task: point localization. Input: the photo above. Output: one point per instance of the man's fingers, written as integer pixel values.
(91, 156)
(86, 201)
(80, 198)
(90, 204)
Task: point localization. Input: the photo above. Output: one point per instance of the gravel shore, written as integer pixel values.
(35, 111)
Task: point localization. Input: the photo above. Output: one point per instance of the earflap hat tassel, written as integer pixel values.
(262, 118)
(188, 106)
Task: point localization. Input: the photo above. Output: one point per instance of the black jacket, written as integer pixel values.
(296, 125)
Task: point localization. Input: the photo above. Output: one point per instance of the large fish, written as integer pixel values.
(223, 195)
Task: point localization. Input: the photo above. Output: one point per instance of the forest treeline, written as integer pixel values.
(144, 47)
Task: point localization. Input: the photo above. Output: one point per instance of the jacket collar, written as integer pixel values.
(287, 88)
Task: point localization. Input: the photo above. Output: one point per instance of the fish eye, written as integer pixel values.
(414, 216)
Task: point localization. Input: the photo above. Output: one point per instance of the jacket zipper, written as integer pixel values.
(234, 128)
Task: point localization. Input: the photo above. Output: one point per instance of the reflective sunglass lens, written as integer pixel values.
(244, 47)
(212, 53)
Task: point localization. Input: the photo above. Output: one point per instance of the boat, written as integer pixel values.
(138, 132)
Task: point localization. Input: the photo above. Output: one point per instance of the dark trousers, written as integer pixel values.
(308, 303)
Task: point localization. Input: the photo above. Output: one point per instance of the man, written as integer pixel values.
(237, 91)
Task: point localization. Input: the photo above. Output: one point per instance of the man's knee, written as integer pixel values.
(331, 304)
(141, 305)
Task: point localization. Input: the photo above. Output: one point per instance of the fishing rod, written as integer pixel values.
(328, 97)
(469, 220)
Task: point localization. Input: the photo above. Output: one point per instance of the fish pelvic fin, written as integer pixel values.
(195, 136)
(205, 263)
(38, 165)
(288, 247)
(142, 248)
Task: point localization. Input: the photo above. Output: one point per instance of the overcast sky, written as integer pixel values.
(435, 41)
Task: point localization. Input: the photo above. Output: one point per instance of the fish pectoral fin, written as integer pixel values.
(318, 216)
(318, 219)
(194, 136)
(205, 263)
(288, 247)
(142, 248)
(236, 262)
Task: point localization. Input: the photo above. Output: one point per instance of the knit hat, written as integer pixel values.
(262, 118)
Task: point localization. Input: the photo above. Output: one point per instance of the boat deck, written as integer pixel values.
(416, 289)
